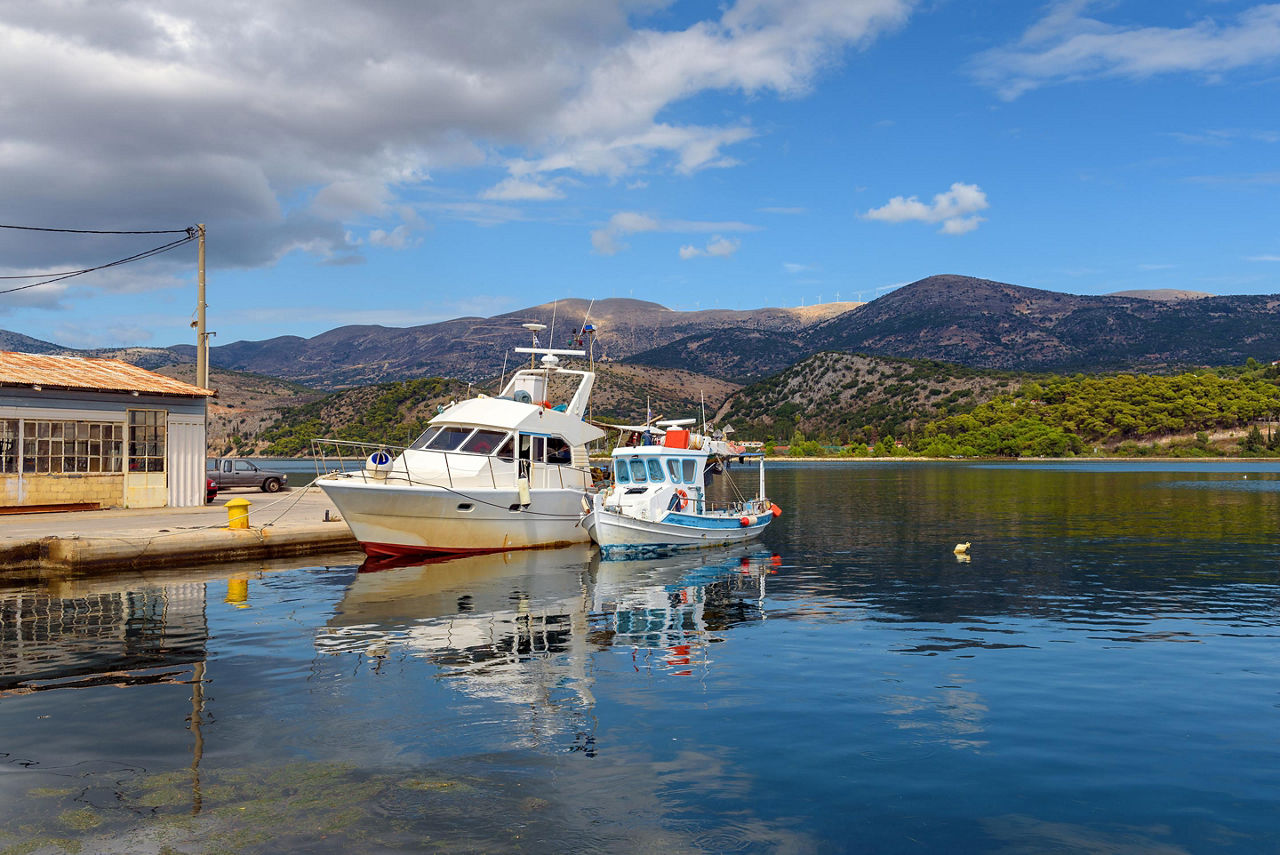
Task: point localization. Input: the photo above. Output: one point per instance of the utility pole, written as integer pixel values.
(202, 340)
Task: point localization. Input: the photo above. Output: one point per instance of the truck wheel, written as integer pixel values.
(271, 485)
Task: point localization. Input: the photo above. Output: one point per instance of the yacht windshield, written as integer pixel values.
(426, 436)
(448, 439)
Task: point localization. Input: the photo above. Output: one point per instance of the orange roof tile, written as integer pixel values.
(101, 375)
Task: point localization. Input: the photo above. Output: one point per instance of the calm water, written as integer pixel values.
(1103, 675)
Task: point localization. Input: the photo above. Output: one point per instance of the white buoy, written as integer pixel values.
(962, 548)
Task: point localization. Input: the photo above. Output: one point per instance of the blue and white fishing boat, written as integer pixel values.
(657, 501)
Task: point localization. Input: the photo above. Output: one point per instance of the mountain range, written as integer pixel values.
(974, 322)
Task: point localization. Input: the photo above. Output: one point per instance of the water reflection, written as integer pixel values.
(521, 627)
(78, 634)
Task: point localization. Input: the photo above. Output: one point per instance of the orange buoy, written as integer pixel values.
(746, 521)
(777, 511)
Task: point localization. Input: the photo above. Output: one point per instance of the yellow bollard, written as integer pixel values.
(238, 513)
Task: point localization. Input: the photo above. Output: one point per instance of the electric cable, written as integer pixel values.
(188, 230)
(189, 236)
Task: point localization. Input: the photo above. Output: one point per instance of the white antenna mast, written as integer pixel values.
(534, 328)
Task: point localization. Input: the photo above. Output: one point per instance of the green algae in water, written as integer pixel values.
(425, 785)
(81, 819)
(256, 809)
(52, 792)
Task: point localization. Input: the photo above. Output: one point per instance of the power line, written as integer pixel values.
(189, 235)
(190, 231)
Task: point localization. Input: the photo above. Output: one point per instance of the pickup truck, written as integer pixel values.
(239, 472)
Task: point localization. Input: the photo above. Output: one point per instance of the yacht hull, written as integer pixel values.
(406, 520)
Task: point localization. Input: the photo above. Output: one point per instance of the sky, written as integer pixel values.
(401, 163)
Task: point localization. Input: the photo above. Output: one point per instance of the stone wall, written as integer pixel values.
(32, 489)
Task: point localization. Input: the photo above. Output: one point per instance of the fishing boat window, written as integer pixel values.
(449, 438)
(655, 471)
(673, 467)
(484, 441)
(690, 468)
(507, 450)
(637, 471)
(620, 473)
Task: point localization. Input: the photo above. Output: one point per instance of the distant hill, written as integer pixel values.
(736, 354)
(1168, 294)
(845, 397)
(476, 349)
(989, 324)
(26, 344)
(956, 319)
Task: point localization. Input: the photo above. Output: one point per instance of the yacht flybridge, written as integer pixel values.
(489, 473)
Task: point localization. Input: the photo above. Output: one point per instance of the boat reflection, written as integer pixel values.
(487, 619)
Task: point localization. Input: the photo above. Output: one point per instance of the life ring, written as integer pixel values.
(684, 499)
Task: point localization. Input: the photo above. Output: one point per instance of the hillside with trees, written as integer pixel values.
(843, 399)
(835, 401)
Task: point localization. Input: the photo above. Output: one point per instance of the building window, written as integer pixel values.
(146, 440)
(67, 448)
(9, 446)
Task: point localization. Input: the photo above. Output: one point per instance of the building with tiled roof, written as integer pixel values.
(92, 433)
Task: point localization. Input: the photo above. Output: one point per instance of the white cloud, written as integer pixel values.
(1263, 258)
(608, 240)
(956, 209)
(1157, 266)
(518, 189)
(285, 138)
(717, 247)
(793, 268)
(397, 238)
(1226, 136)
(1066, 46)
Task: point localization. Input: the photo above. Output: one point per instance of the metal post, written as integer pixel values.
(202, 340)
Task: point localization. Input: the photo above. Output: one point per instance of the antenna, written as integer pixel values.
(534, 328)
(551, 335)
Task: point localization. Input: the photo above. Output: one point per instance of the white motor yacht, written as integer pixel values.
(488, 474)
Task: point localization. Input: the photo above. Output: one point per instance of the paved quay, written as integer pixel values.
(84, 542)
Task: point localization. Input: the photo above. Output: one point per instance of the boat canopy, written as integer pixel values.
(515, 416)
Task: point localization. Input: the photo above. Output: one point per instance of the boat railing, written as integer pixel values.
(331, 454)
(748, 506)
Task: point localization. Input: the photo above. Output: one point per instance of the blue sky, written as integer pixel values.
(411, 162)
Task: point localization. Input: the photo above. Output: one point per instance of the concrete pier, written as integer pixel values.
(84, 542)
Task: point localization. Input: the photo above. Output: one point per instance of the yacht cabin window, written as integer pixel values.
(558, 450)
(483, 441)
